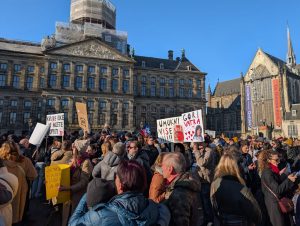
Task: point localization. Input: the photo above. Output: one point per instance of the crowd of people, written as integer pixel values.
(133, 180)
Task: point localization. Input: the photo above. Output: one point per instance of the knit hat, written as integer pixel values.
(81, 145)
(119, 149)
(99, 191)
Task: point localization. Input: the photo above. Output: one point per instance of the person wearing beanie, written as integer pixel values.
(106, 169)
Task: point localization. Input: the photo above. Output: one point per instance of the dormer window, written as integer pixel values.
(143, 64)
(161, 66)
(294, 113)
(189, 68)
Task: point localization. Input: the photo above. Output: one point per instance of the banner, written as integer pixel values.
(38, 134)
(169, 130)
(55, 176)
(56, 123)
(248, 106)
(82, 116)
(276, 102)
(211, 133)
(193, 126)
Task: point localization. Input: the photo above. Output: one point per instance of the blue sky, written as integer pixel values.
(220, 36)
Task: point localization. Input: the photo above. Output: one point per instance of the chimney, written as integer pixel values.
(170, 54)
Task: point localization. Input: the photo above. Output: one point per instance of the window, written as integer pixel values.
(190, 82)
(114, 119)
(115, 85)
(79, 68)
(198, 82)
(66, 117)
(17, 67)
(143, 109)
(78, 82)
(39, 116)
(103, 70)
(199, 93)
(65, 103)
(66, 81)
(103, 84)
(125, 86)
(135, 87)
(75, 117)
(190, 93)
(181, 82)
(39, 104)
(0, 117)
(27, 103)
(143, 91)
(53, 66)
(171, 82)
(125, 120)
(143, 64)
(102, 105)
(26, 117)
(91, 83)
(66, 67)
(30, 69)
(14, 103)
(2, 80)
(126, 105)
(115, 71)
(108, 38)
(171, 92)
(91, 69)
(52, 82)
(153, 109)
(292, 131)
(189, 68)
(102, 119)
(90, 104)
(42, 69)
(3, 67)
(153, 81)
(114, 105)
(162, 81)
(294, 112)
(125, 72)
(29, 82)
(144, 79)
(16, 81)
(153, 91)
(51, 102)
(162, 91)
(161, 66)
(1, 103)
(90, 117)
(42, 82)
(181, 92)
(12, 117)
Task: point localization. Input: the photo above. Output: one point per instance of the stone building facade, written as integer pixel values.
(224, 108)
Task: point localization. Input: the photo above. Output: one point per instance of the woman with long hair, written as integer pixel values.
(232, 201)
(275, 185)
(24, 170)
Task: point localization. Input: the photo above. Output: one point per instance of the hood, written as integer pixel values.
(10, 179)
(112, 159)
(134, 209)
(187, 181)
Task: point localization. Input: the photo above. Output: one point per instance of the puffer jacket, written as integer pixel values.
(126, 209)
(183, 201)
(9, 185)
(107, 168)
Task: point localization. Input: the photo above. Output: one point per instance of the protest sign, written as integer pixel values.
(169, 130)
(193, 126)
(56, 123)
(82, 116)
(211, 133)
(38, 134)
(55, 176)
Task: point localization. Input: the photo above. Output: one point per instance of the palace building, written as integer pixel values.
(88, 60)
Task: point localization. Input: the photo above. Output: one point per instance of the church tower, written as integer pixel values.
(290, 58)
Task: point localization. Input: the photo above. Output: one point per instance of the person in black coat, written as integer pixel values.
(274, 181)
(151, 150)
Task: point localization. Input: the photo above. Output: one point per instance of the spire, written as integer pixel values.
(208, 89)
(290, 58)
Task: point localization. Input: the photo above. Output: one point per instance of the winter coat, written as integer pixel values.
(23, 171)
(152, 152)
(234, 202)
(61, 157)
(206, 162)
(280, 185)
(107, 168)
(157, 188)
(9, 188)
(182, 198)
(126, 209)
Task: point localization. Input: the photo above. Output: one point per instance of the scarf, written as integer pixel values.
(274, 168)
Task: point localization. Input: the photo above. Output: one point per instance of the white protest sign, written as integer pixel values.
(38, 134)
(193, 126)
(211, 133)
(169, 130)
(56, 123)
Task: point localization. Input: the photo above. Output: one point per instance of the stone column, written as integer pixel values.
(46, 74)
(23, 75)
(96, 112)
(10, 68)
(72, 76)
(109, 78)
(97, 78)
(70, 110)
(57, 104)
(108, 112)
(85, 77)
(59, 74)
(130, 115)
(120, 80)
(36, 77)
(131, 76)
(120, 114)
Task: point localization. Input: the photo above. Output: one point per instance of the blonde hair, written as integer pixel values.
(106, 147)
(228, 166)
(159, 159)
(10, 151)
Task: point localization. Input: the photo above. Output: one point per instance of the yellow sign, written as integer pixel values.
(82, 116)
(55, 176)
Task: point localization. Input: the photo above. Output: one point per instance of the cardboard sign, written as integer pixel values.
(56, 176)
(170, 130)
(82, 116)
(56, 123)
(193, 126)
(38, 134)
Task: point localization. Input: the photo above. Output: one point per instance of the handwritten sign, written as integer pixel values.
(38, 134)
(56, 123)
(55, 176)
(82, 116)
(169, 130)
(193, 126)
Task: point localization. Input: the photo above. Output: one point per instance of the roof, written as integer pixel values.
(289, 115)
(276, 60)
(152, 62)
(20, 46)
(228, 87)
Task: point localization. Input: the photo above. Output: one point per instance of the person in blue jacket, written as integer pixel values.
(129, 207)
